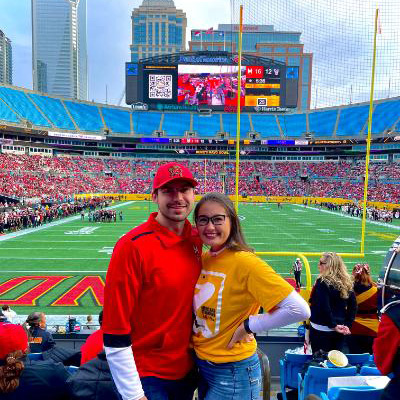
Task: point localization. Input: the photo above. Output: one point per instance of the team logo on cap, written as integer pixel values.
(176, 170)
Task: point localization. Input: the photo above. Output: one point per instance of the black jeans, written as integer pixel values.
(325, 341)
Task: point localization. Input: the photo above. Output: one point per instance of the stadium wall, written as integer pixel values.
(248, 199)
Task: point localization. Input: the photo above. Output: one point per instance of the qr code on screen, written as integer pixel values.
(160, 86)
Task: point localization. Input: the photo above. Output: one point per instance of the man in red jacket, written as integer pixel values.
(147, 320)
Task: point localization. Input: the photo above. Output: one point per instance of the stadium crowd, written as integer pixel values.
(59, 178)
(14, 218)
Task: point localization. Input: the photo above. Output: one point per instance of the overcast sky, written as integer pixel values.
(339, 33)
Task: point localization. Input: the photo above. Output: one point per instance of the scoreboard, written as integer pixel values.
(211, 83)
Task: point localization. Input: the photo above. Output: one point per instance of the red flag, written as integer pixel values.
(209, 31)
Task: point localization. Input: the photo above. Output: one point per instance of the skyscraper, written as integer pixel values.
(5, 59)
(263, 41)
(157, 28)
(59, 53)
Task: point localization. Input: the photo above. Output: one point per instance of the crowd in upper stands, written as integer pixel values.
(59, 178)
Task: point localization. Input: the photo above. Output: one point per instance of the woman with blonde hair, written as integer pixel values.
(333, 304)
(365, 326)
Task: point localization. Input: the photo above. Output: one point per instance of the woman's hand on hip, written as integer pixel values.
(240, 335)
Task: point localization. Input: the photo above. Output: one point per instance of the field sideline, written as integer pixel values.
(61, 269)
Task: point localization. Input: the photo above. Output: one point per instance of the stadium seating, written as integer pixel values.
(322, 123)
(315, 379)
(6, 114)
(352, 120)
(175, 124)
(21, 104)
(118, 121)
(265, 125)
(290, 366)
(385, 115)
(87, 117)
(54, 111)
(367, 370)
(144, 123)
(229, 125)
(206, 126)
(359, 359)
(293, 125)
(352, 393)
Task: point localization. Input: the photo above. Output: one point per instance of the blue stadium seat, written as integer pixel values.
(367, 370)
(322, 123)
(206, 126)
(359, 359)
(352, 120)
(86, 116)
(146, 122)
(265, 125)
(352, 393)
(290, 366)
(229, 122)
(35, 356)
(315, 379)
(6, 114)
(54, 111)
(175, 124)
(384, 116)
(117, 120)
(20, 103)
(293, 125)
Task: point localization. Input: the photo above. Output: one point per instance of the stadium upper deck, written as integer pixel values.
(22, 107)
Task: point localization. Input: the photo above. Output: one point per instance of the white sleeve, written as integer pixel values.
(123, 370)
(290, 310)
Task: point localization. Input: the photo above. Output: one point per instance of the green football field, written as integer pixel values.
(60, 269)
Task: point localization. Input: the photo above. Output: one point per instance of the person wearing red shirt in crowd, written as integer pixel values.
(387, 343)
(185, 89)
(147, 320)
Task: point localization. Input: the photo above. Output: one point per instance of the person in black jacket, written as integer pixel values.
(39, 339)
(21, 378)
(93, 381)
(333, 305)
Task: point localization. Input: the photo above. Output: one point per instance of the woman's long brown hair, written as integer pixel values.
(236, 240)
(11, 371)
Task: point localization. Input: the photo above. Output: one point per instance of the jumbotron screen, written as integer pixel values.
(192, 86)
(217, 85)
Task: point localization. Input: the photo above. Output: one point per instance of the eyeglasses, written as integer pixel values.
(203, 220)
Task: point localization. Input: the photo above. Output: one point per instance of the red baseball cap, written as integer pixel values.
(171, 172)
(12, 338)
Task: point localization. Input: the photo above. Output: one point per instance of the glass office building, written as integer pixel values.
(263, 41)
(59, 49)
(5, 59)
(157, 28)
